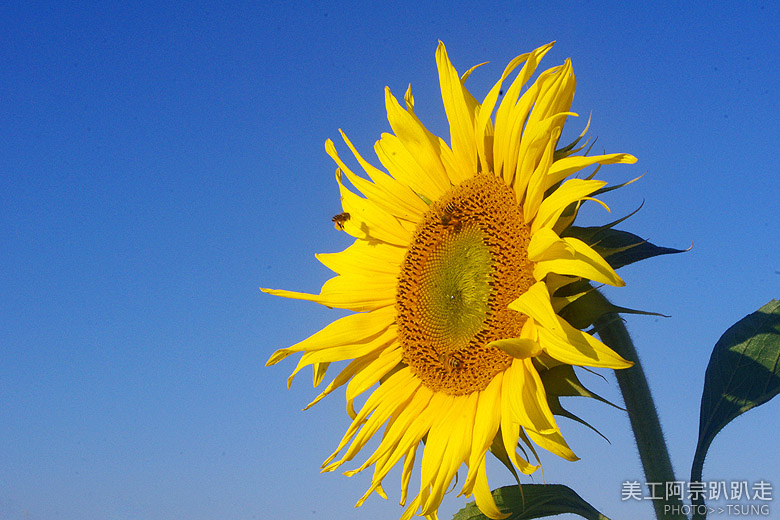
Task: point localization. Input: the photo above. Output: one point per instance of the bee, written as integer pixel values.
(450, 216)
(450, 362)
(339, 220)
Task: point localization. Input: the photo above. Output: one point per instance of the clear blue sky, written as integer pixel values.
(159, 163)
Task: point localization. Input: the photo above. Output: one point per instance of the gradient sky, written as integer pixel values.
(161, 162)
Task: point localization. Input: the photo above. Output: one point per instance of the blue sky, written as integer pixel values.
(160, 162)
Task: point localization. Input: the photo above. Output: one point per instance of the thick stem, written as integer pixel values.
(643, 416)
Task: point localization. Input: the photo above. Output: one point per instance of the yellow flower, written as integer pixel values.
(452, 278)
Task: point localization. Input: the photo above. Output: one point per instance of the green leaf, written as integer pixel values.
(534, 501)
(617, 247)
(744, 372)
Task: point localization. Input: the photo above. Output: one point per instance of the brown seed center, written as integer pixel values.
(467, 261)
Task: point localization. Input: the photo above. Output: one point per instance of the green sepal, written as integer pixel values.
(425, 199)
(569, 149)
(557, 409)
(499, 451)
(523, 437)
(607, 189)
(534, 501)
(617, 247)
(562, 381)
(743, 372)
(590, 306)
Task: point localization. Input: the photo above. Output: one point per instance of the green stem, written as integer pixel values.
(643, 416)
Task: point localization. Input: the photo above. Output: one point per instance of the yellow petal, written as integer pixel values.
(449, 442)
(400, 194)
(388, 395)
(421, 144)
(406, 473)
(552, 442)
(484, 497)
(486, 423)
(344, 376)
(534, 183)
(483, 121)
(574, 347)
(519, 348)
(559, 339)
(433, 456)
(535, 303)
(531, 129)
(384, 364)
(556, 92)
(351, 329)
(404, 167)
(483, 138)
(445, 153)
(357, 293)
(384, 199)
(368, 221)
(553, 205)
(412, 508)
(525, 397)
(351, 351)
(535, 399)
(515, 142)
(461, 119)
(504, 146)
(569, 256)
(318, 372)
(566, 166)
(403, 433)
(535, 156)
(405, 429)
(381, 412)
(366, 257)
(510, 433)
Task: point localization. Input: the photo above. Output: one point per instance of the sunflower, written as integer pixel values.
(456, 279)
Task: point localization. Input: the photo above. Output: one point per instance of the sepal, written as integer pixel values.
(618, 248)
(587, 306)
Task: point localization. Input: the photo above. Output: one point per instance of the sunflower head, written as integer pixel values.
(460, 272)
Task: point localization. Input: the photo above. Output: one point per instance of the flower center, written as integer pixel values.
(467, 261)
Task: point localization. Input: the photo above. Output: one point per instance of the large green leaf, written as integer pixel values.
(617, 247)
(744, 372)
(534, 501)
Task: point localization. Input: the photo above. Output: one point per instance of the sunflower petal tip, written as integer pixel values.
(328, 468)
(278, 356)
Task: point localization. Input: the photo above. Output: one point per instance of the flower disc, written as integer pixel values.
(467, 261)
